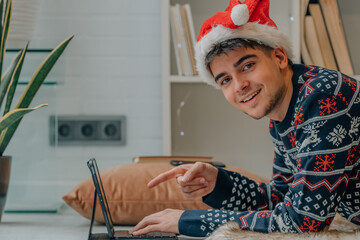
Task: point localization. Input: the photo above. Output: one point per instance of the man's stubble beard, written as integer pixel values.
(274, 101)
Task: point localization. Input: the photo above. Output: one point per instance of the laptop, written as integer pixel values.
(111, 233)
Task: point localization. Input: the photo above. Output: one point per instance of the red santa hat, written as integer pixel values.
(246, 19)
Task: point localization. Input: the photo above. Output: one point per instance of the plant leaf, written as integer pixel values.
(41, 73)
(33, 86)
(11, 117)
(14, 80)
(6, 79)
(5, 30)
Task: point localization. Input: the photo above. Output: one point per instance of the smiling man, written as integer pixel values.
(314, 124)
(250, 78)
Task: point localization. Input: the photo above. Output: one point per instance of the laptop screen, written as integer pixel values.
(101, 195)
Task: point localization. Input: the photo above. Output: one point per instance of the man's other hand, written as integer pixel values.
(164, 221)
(195, 180)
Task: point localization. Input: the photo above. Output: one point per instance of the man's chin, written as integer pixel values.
(261, 112)
(255, 116)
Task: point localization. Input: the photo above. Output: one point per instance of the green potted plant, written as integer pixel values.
(11, 118)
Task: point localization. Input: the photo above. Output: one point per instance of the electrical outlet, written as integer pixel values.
(110, 130)
(87, 130)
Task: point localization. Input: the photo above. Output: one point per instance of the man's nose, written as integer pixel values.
(241, 84)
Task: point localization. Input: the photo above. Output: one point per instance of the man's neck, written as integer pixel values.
(280, 113)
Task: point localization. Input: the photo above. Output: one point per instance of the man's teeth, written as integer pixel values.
(251, 96)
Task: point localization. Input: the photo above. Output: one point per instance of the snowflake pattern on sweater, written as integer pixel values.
(316, 165)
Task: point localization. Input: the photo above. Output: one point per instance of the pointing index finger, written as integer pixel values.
(193, 172)
(173, 173)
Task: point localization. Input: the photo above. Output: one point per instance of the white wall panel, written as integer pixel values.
(111, 67)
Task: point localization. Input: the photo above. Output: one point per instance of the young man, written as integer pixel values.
(314, 123)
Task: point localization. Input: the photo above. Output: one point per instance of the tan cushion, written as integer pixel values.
(129, 198)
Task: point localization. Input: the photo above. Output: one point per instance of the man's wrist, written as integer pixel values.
(223, 188)
(190, 223)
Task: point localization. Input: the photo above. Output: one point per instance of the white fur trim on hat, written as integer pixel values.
(265, 34)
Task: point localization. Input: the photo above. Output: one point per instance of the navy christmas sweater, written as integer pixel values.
(315, 171)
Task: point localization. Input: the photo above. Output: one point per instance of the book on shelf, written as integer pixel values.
(189, 34)
(177, 40)
(336, 33)
(322, 36)
(147, 159)
(182, 30)
(187, 61)
(312, 42)
(191, 23)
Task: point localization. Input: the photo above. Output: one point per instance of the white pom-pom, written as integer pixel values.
(240, 14)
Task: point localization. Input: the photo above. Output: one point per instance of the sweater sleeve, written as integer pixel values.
(240, 193)
(233, 195)
(314, 192)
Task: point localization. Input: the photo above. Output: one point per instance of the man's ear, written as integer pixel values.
(280, 57)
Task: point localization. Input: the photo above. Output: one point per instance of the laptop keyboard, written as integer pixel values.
(149, 235)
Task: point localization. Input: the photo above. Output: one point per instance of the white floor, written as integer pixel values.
(65, 225)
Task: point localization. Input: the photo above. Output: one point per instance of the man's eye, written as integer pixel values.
(224, 81)
(248, 66)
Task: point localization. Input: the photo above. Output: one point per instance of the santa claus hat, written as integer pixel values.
(246, 19)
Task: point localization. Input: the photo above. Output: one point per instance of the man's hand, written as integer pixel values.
(195, 180)
(164, 221)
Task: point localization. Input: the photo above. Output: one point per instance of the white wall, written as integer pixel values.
(111, 67)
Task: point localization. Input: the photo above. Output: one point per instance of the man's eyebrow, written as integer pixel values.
(235, 65)
(219, 76)
(243, 59)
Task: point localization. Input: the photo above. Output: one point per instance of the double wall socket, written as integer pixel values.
(87, 130)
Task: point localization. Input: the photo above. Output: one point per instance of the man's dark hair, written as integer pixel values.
(232, 44)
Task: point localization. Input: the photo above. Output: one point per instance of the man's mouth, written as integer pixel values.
(251, 96)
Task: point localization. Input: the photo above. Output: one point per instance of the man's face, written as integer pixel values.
(253, 82)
